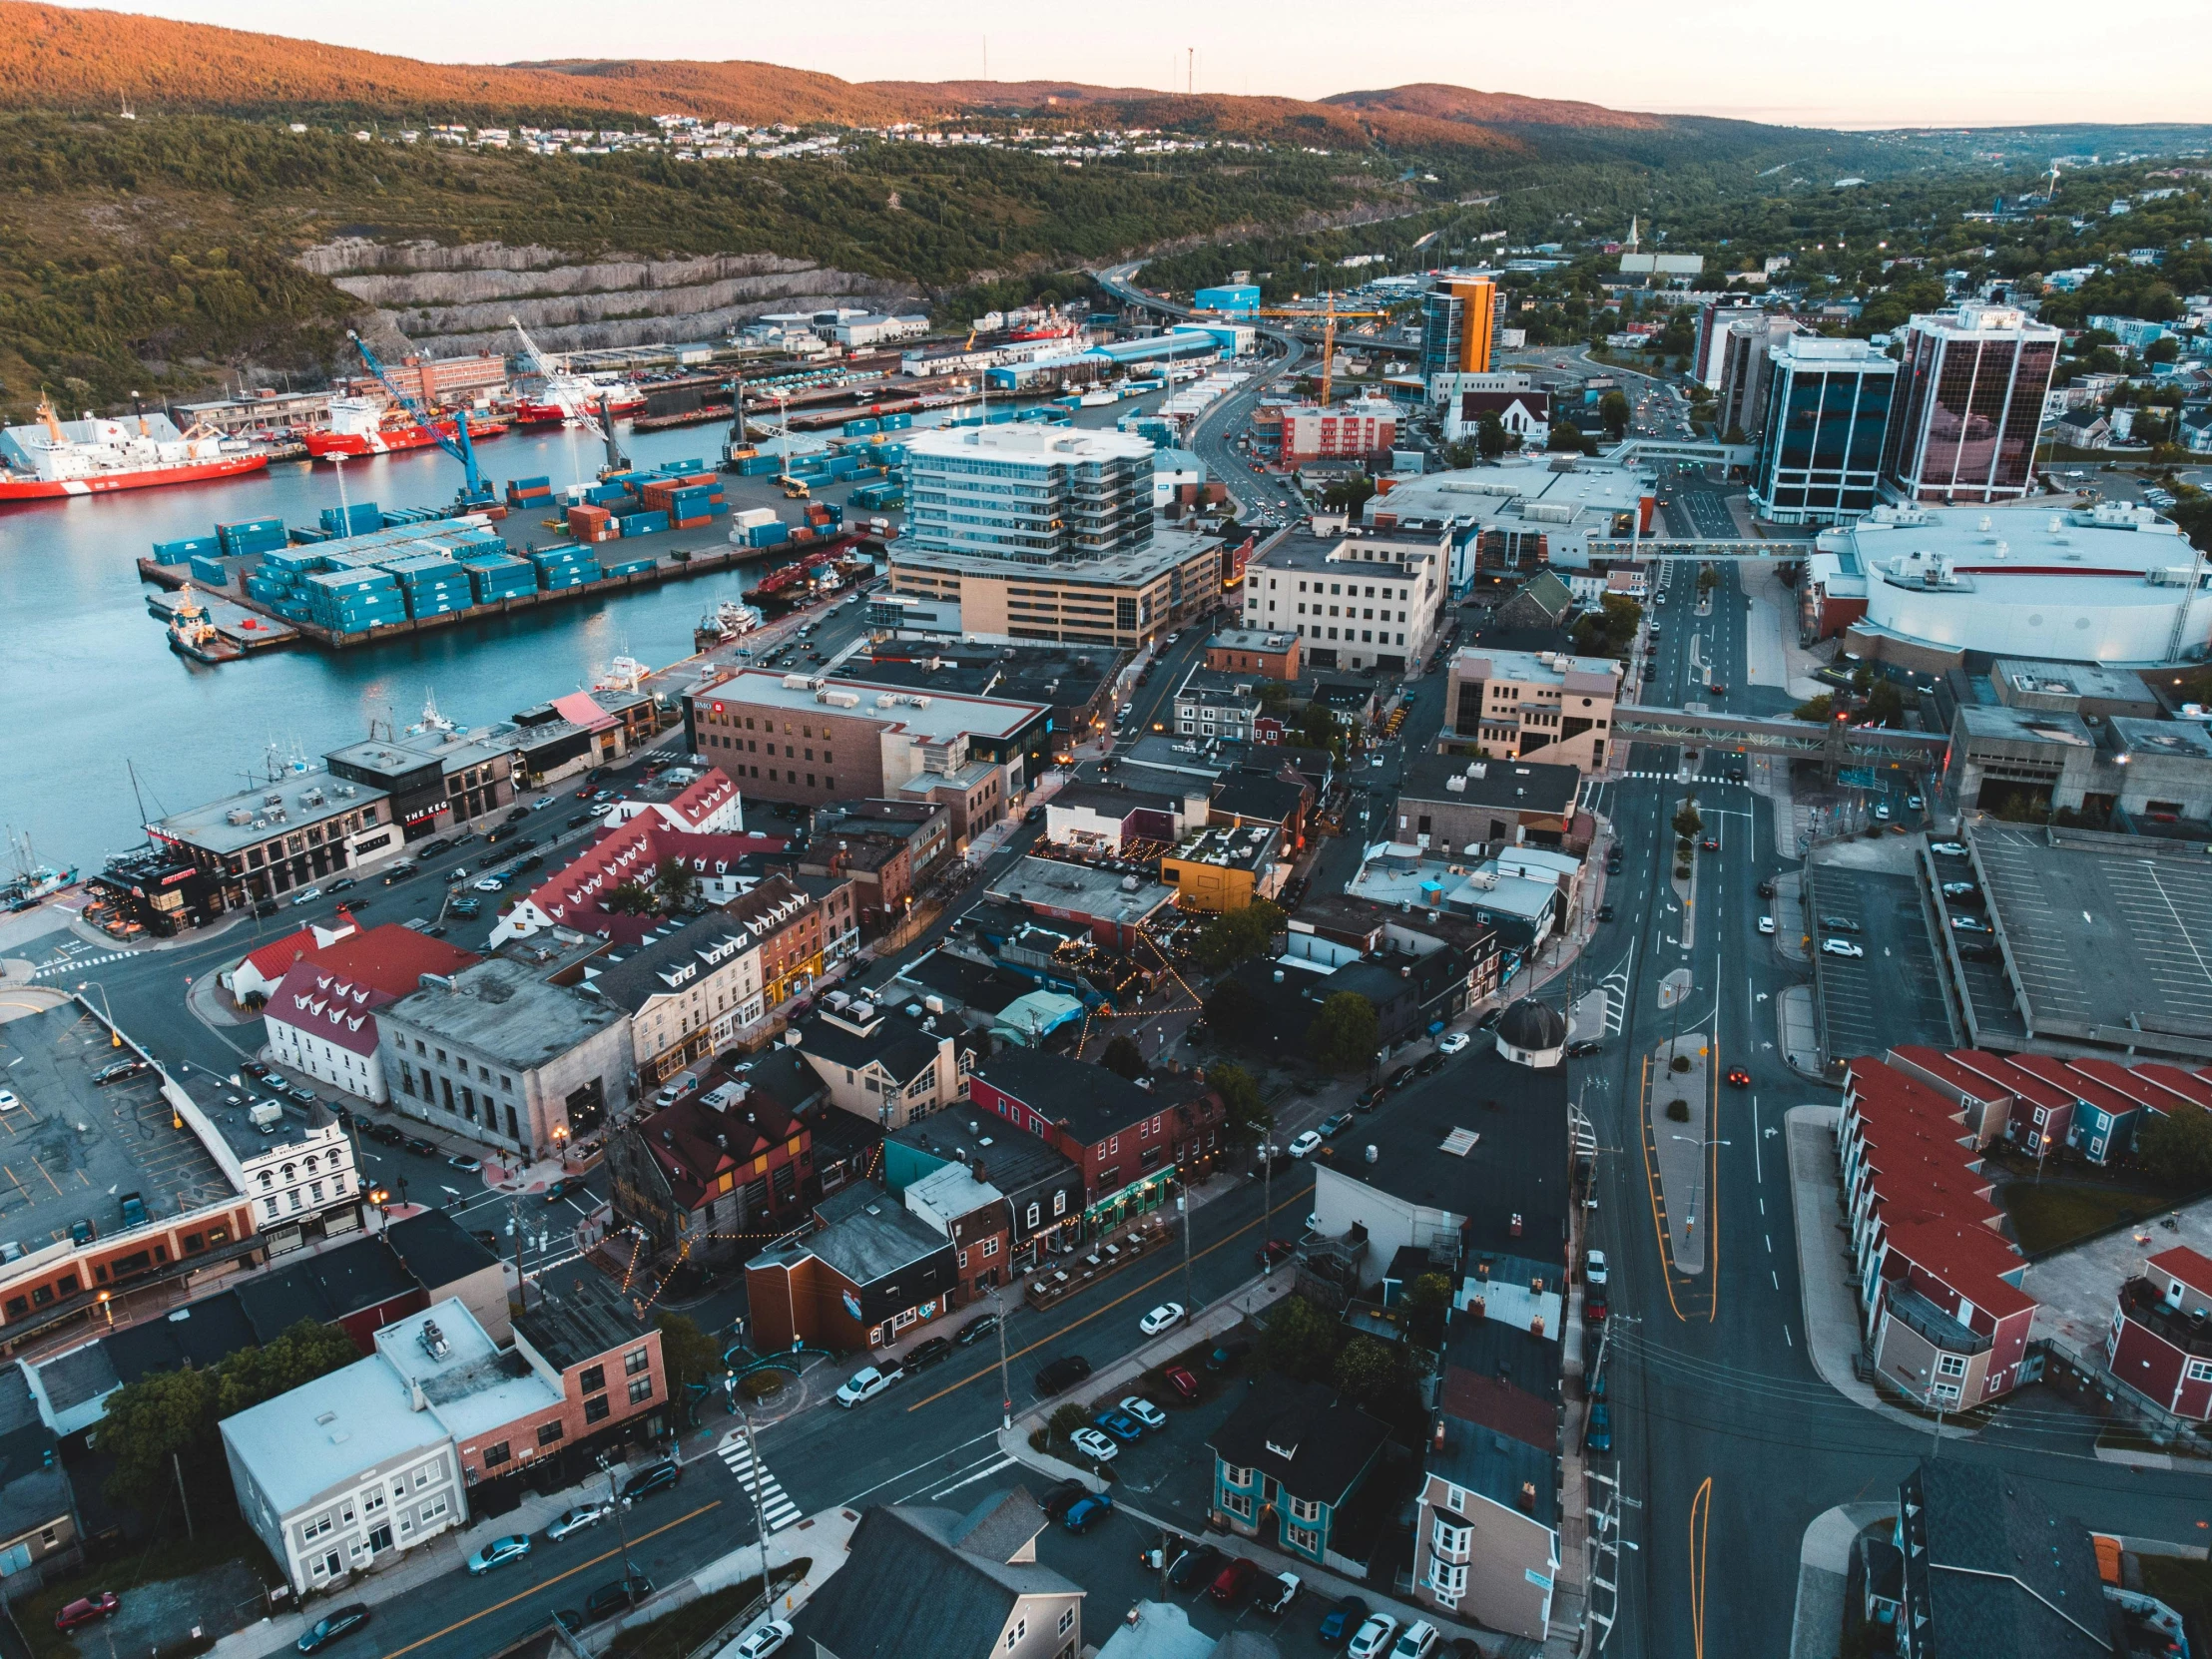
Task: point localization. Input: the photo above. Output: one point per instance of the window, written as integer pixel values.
(1238, 1504)
(1456, 1498)
(1232, 1474)
(1950, 1365)
(1306, 1509)
(1448, 1580)
(1059, 1205)
(634, 1361)
(990, 1248)
(494, 1456)
(640, 1390)
(1067, 1620)
(596, 1408)
(2200, 1371)
(549, 1433)
(1033, 1213)
(317, 1528)
(1448, 1539)
(1302, 1538)
(592, 1379)
(433, 1509)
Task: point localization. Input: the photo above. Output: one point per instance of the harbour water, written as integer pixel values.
(92, 690)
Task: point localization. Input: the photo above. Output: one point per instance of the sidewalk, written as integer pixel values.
(1832, 1333)
(1824, 1575)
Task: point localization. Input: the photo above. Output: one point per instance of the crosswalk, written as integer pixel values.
(1674, 778)
(777, 1509)
(77, 964)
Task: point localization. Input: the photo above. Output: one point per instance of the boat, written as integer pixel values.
(370, 426)
(726, 622)
(624, 673)
(32, 880)
(93, 457)
(192, 632)
(565, 399)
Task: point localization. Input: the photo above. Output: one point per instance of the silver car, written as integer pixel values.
(577, 1520)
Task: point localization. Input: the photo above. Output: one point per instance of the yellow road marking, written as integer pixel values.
(50, 1181)
(1652, 1180)
(1701, 1521)
(1047, 1342)
(547, 1584)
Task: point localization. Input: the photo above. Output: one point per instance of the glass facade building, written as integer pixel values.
(1970, 393)
(1457, 321)
(1028, 494)
(1827, 410)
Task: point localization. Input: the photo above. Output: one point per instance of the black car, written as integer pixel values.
(518, 814)
(1197, 1569)
(1062, 1373)
(1840, 925)
(1368, 1099)
(1063, 1497)
(563, 1187)
(610, 1599)
(1430, 1064)
(119, 1071)
(1489, 1019)
(1398, 1078)
(340, 885)
(1766, 889)
(1226, 1355)
(434, 845)
(1605, 912)
(1981, 952)
(580, 820)
(1588, 1045)
(528, 865)
(976, 1330)
(924, 1355)
(488, 1238)
(264, 907)
(418, 1146)
(340, 1622)
(657, 1479)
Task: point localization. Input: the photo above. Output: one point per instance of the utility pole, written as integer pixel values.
(1005, 1387)
(514, 1226)
(1183, 1208)
(621, 1530)
(177, 1464)
(1266, 1199)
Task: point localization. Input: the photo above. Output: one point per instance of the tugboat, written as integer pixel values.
(726, 622)
(192, 632)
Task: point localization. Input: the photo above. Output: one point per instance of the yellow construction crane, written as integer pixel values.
(1329, 316)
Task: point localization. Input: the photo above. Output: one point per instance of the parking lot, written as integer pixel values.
(1891, 995)
(1973, 962)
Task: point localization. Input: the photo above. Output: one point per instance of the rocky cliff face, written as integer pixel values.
(454, 299)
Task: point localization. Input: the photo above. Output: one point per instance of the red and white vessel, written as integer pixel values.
(370, 426)
(570, 399)
(94, 456)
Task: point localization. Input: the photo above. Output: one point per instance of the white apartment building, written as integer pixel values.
(1367, 598)
(1028, 493)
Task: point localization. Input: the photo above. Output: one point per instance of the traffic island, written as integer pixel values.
(1679, 1124)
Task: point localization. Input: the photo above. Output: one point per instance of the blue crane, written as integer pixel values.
(474, 492)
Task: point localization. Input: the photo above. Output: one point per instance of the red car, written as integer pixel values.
(1738, 1077)
(1231, 1583)
(86, 1609)
(1182, 1382)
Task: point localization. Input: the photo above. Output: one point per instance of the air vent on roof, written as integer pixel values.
(1460, 1142)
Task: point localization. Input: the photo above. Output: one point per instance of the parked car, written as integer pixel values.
(1167, 1314)
(1119, 1423)
(865, 1383)
(498, 1553)
(340, 1622)
(1605, 912)
(1063, 1497)
(1099, 1448)
(617, 1596)
(1367, 1100)
(1144, 1412)
(661, 1476)
(1197, 1569)
(306, 895)
(1593, 1267)
(1840, 925)
(1276, 1594)
(1948, 849)
(1306, 1145)
(1765, 924)
(1840, 947)
(119, 1071)
(1232, 1581)
(1451, 1042)
(1334, 1125)
(1342, 1619)
(1398, 1078)
(1373, 1638)
(1182, 1382)
(1275, 1249)
(926, 1354)
(976, 1330)
(1766, 889)
(88, 1610)
(1062, 1374)
(1594, 1307)
(1601, 1434)
(577, 1520)
(1417, 1641)
(761, 1641)
(1088, 1512)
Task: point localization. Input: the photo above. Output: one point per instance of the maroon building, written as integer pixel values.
(2162, 1340)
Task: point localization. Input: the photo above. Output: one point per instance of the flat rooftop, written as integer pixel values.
(73, 1148)
(502, 1011)
(2106, 934)
(1584, 495)
(1080, 890)
(1520, 786)
(295, 1456)
(1167, 550)
(577, 1317)
(1474, 662)
(470, 1383)
(930, 716)
(1059, 675)
(1018, 441)
(232, 823)
(1226, 847)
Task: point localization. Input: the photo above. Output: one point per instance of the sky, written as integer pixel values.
(1874, 63)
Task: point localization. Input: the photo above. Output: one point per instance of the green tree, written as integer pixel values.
(1249, 1118)
(2162, 350)
(168, 1416)
(1342, 1036)
(688, 1354)
(1347, 495)
(1491, 438)
(1565, 434)
(2176, 1148)
(1820, 707)
(1301, 1339)
(1367, 1369)
(1733, 434)
(1319, 727)
(306, 1350)
(1124, 1059)
(1885, 704)
(1614, 410)
(676, 884)
(1688, 821)
(1232, 936)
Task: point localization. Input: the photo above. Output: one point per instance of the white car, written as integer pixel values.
(1098, 1448)
(1306, 1145)
(1593, 1267)
(1840, 947)
(1949, 849)
(865, 1383)
(1145, 1412)
(1451, 1042)
(1882, 814)
(9, 1100)
(761, 1641)
(1765, 924)
(491, 883)
(1372, 1637)
(1167, 1314)
(1417, 1641)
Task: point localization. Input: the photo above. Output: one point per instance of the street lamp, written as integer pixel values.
(107, 1308)
(115, 1037)
(1005, 1387)
(560, 1145)
(759, 1514)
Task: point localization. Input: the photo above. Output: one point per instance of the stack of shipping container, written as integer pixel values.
(529, 493)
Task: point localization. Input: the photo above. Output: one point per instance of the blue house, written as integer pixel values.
(1289, 1460)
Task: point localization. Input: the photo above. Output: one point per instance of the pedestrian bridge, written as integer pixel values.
(1681, 449)
(1699, 548)
(1833, 742)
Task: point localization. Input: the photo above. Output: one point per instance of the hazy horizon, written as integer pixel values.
(1983, 64)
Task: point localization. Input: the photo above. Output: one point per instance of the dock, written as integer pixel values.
(238, 622)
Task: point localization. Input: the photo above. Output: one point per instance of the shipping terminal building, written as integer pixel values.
(1028, 532)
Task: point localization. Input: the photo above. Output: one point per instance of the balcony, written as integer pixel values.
(2140, 1302)
(1915, 1313)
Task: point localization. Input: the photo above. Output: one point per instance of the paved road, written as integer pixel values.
(1724, 1431)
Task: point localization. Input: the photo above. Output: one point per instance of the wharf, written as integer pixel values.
(246, 627)
(676, 554)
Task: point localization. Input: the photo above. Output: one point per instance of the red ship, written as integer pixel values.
(100, 456)
(365, 427)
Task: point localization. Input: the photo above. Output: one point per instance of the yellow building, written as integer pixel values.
(1477, 298)
(1224, 867)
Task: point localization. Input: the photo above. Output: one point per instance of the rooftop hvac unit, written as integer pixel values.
(433, 1341)
(795, 682)
(1457, 783)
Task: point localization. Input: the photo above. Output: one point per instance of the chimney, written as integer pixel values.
(1436, 1440)
(1529, 1497)
(1537, 1325)
(1516, 1224)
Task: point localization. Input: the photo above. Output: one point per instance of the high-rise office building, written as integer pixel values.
(1741, 405)
(1828, 411)
(1031, 494)
(1457, 324)
(1969, 398)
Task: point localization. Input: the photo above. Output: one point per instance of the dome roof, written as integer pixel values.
(1529, 1024)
